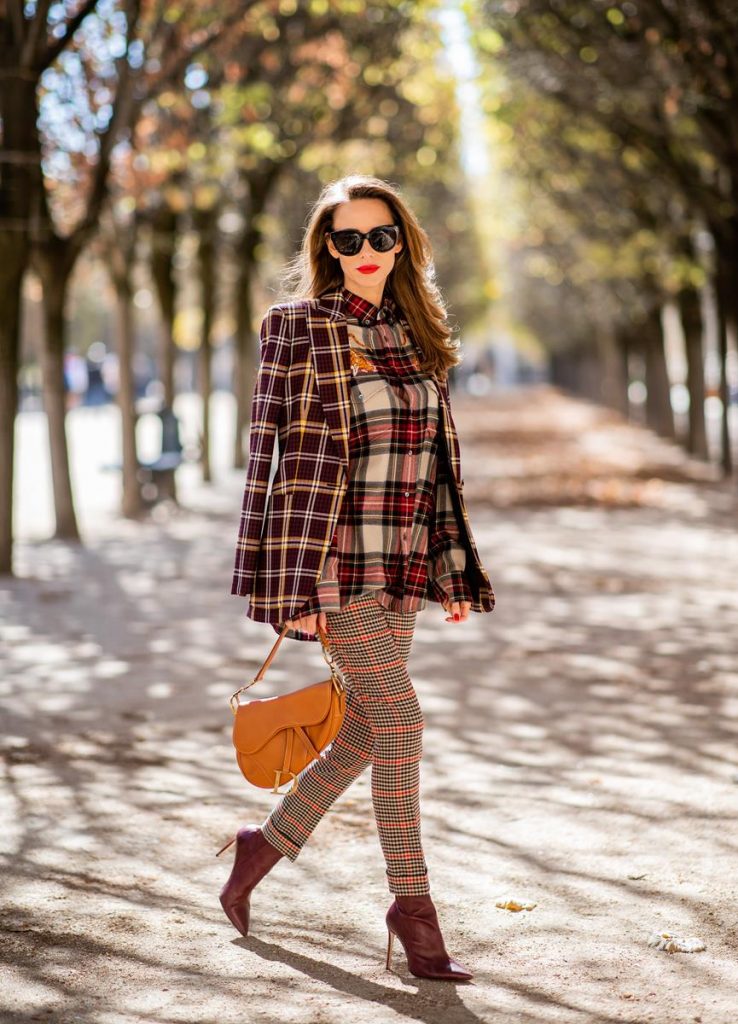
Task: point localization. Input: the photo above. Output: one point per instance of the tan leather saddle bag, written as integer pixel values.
(276, 737)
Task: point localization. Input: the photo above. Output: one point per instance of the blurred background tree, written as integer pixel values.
(658, 81)
(173, 150)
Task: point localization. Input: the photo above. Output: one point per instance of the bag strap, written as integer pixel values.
(270, 657)
(335, 673)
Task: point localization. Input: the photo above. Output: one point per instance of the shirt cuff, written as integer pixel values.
(452, 586)
(311, 607)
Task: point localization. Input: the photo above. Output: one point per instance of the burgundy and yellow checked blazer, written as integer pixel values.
(302, 398)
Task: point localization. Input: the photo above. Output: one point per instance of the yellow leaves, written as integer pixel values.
(197, 151)
(186, 329)
(631, 158)
(377, 126)
(205, 196)
(126, 204)
(539, 264)
(502, 133)
(258, 138)
(615, 16)
(490, 41)
(588, 54)
(373, 74)
(514, 905)
(680, 273)
(165, 161)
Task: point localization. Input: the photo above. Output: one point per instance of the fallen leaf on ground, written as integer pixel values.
(514, 905)
(675, 943)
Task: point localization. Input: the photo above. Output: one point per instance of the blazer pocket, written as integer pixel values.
(280, 508)
(282, 489)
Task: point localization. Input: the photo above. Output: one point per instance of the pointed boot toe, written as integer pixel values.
(414, 921)
(255, 857)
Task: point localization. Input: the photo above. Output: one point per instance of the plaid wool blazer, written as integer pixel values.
(302, 399)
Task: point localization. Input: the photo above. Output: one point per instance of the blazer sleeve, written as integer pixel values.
(446, 555)
(266, 407)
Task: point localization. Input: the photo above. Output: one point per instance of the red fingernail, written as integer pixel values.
(456, 618)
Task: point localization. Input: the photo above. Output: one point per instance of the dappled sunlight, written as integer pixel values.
(580, 754)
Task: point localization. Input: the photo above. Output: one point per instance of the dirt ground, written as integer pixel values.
(581, 753)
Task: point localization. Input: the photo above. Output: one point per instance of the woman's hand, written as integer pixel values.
(458, 611)
(308, 623)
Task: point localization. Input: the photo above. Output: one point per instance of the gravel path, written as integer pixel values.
(580, 753)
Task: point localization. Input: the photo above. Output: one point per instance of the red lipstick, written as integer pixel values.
(368, 268)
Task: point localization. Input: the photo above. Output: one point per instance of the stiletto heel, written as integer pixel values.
(414, 921)
(390, 940)
(229, 843)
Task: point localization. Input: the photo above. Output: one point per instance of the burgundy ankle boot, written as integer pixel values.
(414, 921)
(255, 856)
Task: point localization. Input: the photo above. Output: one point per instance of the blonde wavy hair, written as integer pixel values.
(411, 281)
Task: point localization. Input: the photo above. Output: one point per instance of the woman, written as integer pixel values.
(365, 520)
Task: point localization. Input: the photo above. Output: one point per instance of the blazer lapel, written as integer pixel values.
(329, 347)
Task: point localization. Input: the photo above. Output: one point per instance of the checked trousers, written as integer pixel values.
(382, 727)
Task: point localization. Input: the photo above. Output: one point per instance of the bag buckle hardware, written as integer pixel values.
(233, 699)
(278, 781)
(336, 677)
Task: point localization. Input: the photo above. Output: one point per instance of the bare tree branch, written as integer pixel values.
(55, 48)
(17, 22)
(120, 118)
(179, 61)
(36, 33)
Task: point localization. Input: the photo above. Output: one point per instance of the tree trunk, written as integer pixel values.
(131, 505)
(20, 180)
(614, 384)
(11, 283)
(691, 316)
(624, 346)
(119, 242)
(726, 313)
(164, 223)
(243, 362)
(659, 413)
(259, 188)
(55, 271)
(205, 221)
(164, 239)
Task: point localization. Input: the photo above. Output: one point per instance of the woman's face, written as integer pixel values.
(368, 269)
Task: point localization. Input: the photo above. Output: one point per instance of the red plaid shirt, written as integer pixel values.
(397, 532)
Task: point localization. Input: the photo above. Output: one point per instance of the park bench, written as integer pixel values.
(156, 477)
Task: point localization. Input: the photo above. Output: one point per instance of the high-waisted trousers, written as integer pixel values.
(382, 727)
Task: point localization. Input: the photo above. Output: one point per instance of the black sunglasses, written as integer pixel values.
(349, 241)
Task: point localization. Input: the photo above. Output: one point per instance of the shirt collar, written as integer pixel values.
(365, 311)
